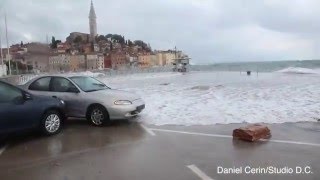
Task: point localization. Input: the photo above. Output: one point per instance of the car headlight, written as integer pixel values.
(122, 102)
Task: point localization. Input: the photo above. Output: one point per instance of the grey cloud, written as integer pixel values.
(208, 30)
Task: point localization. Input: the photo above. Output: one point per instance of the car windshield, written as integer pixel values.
(88, 84)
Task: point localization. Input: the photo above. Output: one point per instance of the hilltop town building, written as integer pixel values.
(87, 51)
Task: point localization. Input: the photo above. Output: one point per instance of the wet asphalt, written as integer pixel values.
(126, 151)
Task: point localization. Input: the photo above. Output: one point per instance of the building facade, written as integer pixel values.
(100, 62)
(144, 61)
(37, 55)
(91, 61)
(77, 63)
(107, 61)
(161, 58)
(59, 63)
(119, 60)
(150, 60)
(153, 60)
(167, 57)
(133, 60)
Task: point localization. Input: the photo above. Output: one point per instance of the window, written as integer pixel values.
(8, 93)
(59, 84)
(41, 84)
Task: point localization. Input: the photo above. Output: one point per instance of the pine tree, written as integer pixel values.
(53, 41)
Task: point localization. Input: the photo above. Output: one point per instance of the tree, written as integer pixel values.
(140, 43)
(53, 42)
(78, 40)
(117, 38)
(21, 44)
(122, 40)
(100, 38)
(130, 43)
(53, 39)
(109, 36)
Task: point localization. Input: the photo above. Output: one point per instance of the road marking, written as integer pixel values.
(198, 172)
(191, 133)
(148, 130)
(3, 149)
(227, 136)
(291, 142)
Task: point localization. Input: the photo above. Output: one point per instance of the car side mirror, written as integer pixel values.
(22, 99)
(73, 90)
(27, 96)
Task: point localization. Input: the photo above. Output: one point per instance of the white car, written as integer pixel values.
(86, 97)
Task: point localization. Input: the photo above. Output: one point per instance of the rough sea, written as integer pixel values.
(269, 66)
(283, 94)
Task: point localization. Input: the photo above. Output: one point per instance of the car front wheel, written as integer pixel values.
(51, 122)
(98, 116)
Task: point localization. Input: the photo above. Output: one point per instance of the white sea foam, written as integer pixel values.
(89, 73)
(298, 70)
(143, 76)
(206, 98)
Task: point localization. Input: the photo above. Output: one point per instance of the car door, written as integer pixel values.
(15, 111)
(64, 89)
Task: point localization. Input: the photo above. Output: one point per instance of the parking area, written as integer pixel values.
(130, 150)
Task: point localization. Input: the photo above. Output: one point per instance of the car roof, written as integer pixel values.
(62, 75)
(52, 75)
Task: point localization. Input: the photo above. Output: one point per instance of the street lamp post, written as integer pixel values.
(8, 55)
(1, 55)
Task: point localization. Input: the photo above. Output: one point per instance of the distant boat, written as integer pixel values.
(180, 64)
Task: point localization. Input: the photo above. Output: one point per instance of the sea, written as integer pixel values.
(218, 94)
(269, 66)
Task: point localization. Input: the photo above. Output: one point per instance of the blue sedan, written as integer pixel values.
(20, 110)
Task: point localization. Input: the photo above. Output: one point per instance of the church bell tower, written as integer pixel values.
(92, 23)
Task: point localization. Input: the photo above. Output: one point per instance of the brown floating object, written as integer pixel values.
(252, 132)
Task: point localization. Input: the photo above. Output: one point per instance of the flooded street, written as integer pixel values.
(127, 150)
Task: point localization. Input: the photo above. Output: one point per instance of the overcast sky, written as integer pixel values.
(207, 30)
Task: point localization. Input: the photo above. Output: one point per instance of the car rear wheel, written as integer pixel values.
(98, 116)
(51, 122)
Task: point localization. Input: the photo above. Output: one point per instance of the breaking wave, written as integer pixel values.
(298, 70)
